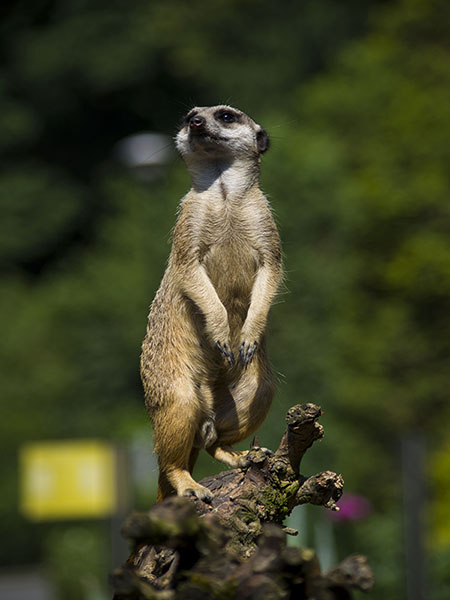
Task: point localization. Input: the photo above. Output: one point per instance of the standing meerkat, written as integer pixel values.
(205, 371)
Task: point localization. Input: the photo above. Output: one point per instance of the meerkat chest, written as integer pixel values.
(230, 249)
(229, 228)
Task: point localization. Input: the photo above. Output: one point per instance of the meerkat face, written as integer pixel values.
(220, 131)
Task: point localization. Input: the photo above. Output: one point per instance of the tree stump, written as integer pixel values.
(235, 546)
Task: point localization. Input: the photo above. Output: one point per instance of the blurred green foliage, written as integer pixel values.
(355, 98)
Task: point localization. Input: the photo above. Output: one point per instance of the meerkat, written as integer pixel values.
(204, 367)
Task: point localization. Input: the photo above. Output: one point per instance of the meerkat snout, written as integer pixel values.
(196, 124)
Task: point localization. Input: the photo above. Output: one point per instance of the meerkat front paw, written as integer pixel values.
(225, 349)
(247, 351)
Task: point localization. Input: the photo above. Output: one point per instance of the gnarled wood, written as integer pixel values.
(234, 547)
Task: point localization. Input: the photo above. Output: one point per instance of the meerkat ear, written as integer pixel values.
(262, 140)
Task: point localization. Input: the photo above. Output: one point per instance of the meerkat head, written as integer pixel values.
(220, 132)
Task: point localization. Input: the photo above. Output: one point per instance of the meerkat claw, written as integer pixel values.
(226, 352)
(199, 492)
(247, 352)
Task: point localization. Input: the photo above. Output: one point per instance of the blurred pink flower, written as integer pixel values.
(352, 508)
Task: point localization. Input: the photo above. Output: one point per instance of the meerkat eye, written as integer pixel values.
(227, 117)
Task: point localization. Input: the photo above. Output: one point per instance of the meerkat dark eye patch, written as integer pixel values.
(262, 140)
(227, 116)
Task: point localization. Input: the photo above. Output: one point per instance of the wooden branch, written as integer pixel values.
(302, 431)
(235, 546)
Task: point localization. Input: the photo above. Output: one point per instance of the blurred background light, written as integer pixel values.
(145, 153)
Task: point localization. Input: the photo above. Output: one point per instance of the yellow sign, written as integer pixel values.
(69, 479)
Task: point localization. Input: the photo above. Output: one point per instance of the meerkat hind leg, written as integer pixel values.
(180, 482)
(174, 445)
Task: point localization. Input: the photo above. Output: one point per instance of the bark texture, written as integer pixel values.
(235, 547)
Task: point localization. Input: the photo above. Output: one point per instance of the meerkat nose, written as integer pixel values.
(196, 122)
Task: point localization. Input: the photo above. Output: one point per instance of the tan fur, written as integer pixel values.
(207, 380)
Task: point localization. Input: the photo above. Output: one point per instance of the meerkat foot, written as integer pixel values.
(185, 485)
(243, 459)
(198, 491)
(228, 456)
